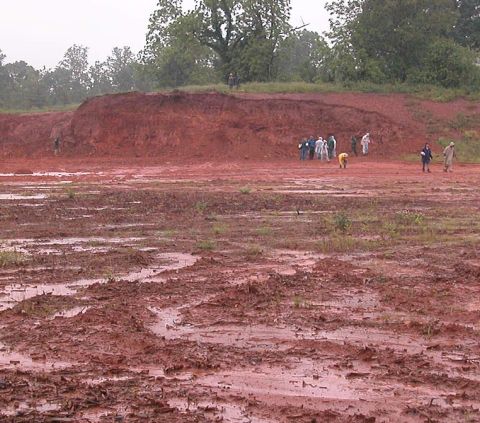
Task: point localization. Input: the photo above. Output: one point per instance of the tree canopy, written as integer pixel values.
(381, 41)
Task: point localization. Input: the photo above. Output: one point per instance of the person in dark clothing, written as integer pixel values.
(331, 146)
(354, 145)
(303, 146)
(427, 157)
(231, 81)
(56, 146)
(311, 147)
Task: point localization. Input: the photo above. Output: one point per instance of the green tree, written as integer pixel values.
(467, 29)
(242, 35)
(303, 56)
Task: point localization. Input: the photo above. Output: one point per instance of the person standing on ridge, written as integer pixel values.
(324, 151)
(449, 154)
(426, 157)
(354, 145)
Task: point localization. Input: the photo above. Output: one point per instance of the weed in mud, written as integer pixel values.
(206, 245)
(220, 228)
(200, 207)
(110, 277)
(408, 217)
(430, 329)
(245, 190)
(71, 194)
(253, 252)
(391, 229)
(264, 231)
(11, 258)
(298, 301)
(342, 222)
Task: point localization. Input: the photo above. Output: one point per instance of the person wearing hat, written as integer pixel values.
(427, 156)
(342, 160)
(449, 154)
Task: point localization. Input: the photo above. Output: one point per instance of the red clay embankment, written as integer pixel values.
(209, 126)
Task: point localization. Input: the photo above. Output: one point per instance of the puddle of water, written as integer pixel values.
(43, 174)
(24, 407)
(16, 293)
(72, 312)
(14, 360)
(22, 197)
(220, 410)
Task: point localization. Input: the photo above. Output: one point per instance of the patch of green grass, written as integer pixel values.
(206, 245)
(59, 108)
(345, 244)
(11, 259)
(427, 92)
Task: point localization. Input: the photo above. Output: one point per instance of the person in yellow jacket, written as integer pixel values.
(342, 160)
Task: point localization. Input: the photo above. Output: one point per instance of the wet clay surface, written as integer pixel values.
(246, 292)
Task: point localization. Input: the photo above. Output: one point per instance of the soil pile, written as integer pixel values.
(210, 126)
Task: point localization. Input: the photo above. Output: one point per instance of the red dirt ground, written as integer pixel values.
(150, 273)
(181, 127)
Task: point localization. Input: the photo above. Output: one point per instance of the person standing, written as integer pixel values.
(311, 147)
(426, 157)
(449, 154)
(342, 160)
(354, 145)
(324, 151)
(334, 146)
(318, 147)
(331, 145)
(303, 149)
(56, 146)
(365, 143)
(231, 80)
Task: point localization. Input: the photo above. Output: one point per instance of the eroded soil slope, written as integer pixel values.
(186, 127)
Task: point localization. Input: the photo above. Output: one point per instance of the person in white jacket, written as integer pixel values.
(318, 147)
(365, 143)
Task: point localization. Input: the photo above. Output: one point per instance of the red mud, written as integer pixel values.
(185, 127)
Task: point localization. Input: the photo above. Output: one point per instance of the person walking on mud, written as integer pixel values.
(449, 154)
(354, 145)
(427, 157)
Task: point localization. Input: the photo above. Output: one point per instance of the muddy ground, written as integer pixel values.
(273, 292)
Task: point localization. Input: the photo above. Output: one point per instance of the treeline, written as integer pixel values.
(380, 41)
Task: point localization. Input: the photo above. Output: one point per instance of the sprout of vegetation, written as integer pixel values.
(342, 222)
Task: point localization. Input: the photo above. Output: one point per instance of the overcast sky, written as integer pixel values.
(40, 31)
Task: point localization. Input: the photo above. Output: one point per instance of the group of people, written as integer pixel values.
(448, 156)
(326, 149)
